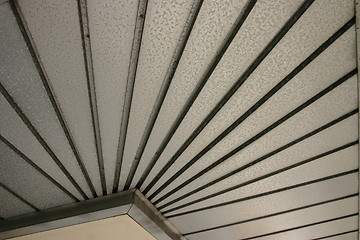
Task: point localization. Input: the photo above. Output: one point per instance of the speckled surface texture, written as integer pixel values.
(163, 26)
(111, 28)
(55, 29)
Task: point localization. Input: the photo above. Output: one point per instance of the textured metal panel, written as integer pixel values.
(26, 88)
(163, 25)
(293, 198)
(212, 24)
(327, 108)
(112, 29)
(316, 231)
(273, 69)
(321, 144)
(12, 206)
(16, 132)
(27, 182)
(286, 221)
(55, 29)
(17, 61)
(189, 72)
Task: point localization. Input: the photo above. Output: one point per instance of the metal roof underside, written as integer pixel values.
(237, 119)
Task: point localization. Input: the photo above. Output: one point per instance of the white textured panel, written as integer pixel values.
(15, 131)
(344, 129)
(164, 22)
(269, 15)
(294, 48)
(23, 179)
(20, 78)
(286, 221)
(319, 231)
(213, 23)
(333, 105)
(330, 189)
(112, 29)
(54, 26)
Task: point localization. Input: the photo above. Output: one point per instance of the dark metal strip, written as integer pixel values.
(303, 226)
(219, 54)
(135, 52)
(40, 139)
(262, 194)
(50, 92)
(162, 93)
(266, 175)
(335, 235)
(89, 69)
(19, 197)
(273, 214)
(231, 92)
(245, 144)
(51, 217)
(258, 160)
(40, 170)
(148, 209)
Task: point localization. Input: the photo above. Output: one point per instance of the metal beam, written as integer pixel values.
(162, 94)
(130, 202)
(135, 52)
(85, 35)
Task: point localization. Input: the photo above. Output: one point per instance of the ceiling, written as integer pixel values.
(236, 119)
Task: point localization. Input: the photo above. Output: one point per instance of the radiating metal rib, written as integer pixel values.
(89, 69)
(265, 98)
(19, 197)
(303, 226)
(161, 96)
(266, 176)
(256, 161)
(135, 52)
(41, 140)
(335, 235)
(232, 91)
(262, 194)
(273, 214)
(219, 54)
(37, 168)
(44, 78)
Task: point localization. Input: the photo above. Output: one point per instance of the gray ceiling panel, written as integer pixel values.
(210, 29)
(236, 119)
(317, 231)
(255, 87)
(269, 204)
(312, 117)
(112, 29)
(223, 77)
(284, 221)
(344, 127)
(12, 206)
(26, 88)
(16, 132)
(55, 29)
(27, 182)
(163, 26)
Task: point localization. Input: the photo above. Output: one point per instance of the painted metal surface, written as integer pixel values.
(236, 119)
